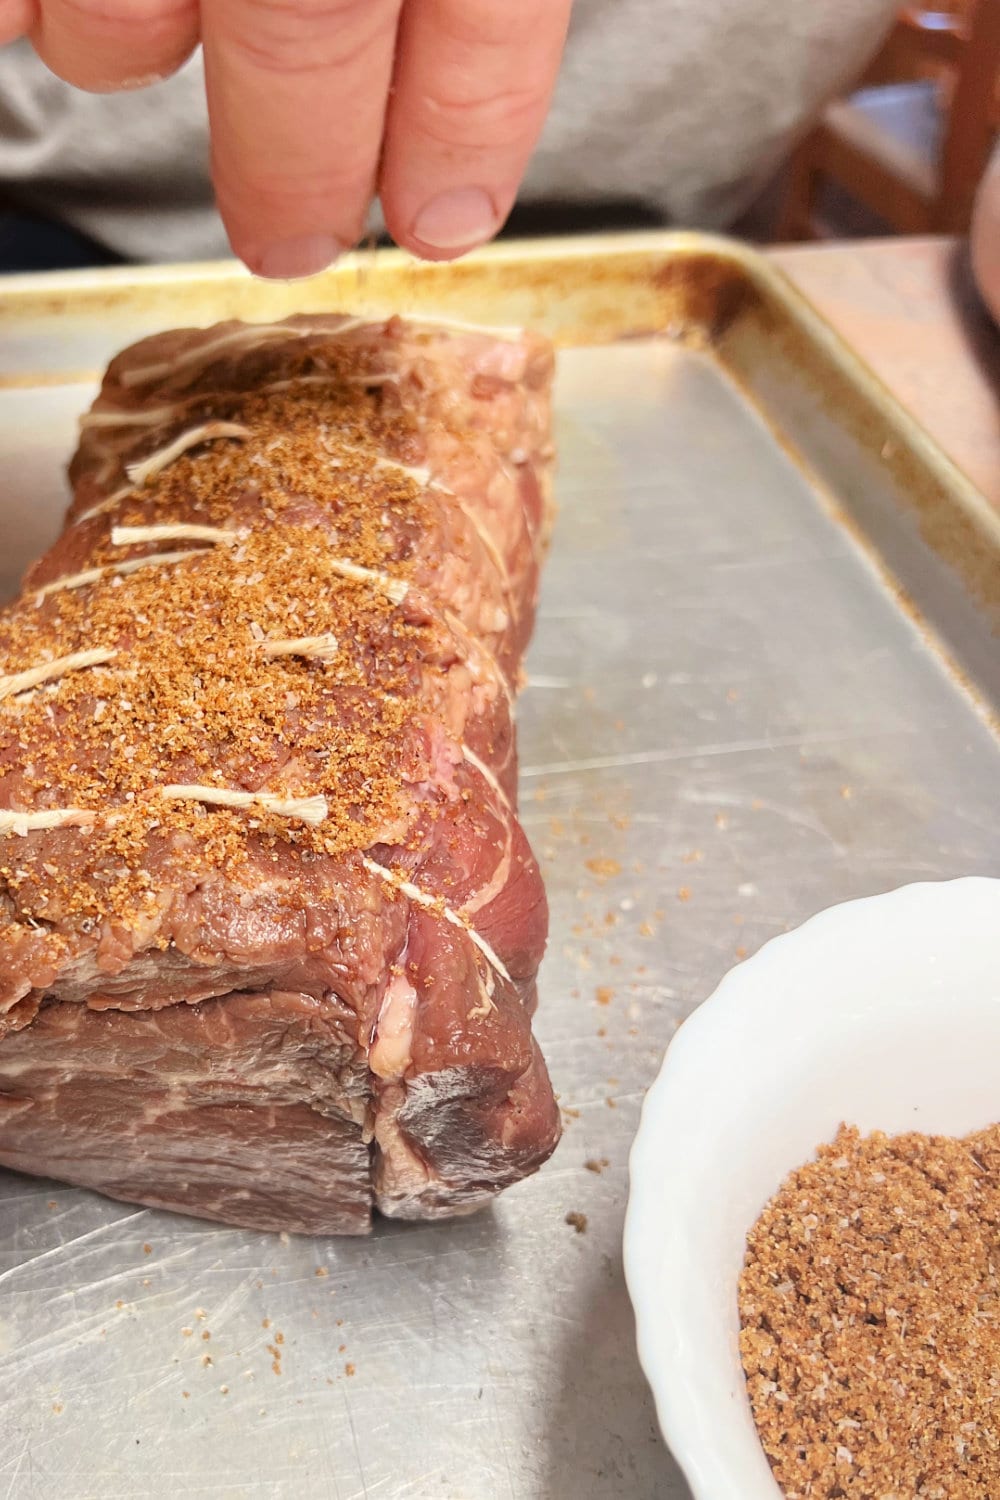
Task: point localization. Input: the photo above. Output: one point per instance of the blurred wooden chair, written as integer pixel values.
(911, 145)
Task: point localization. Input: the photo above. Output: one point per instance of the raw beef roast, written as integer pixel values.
(269, 927)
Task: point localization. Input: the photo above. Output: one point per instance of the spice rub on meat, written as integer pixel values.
(269, 926)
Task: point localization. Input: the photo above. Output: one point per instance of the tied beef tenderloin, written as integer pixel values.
(269, 926)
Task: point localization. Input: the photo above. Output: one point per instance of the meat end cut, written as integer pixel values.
(269, 926)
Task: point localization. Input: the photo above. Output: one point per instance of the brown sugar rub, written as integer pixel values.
(870, 1316)
(269, 926)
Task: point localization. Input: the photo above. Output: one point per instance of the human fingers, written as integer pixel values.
(471, 90)
(104, 45)
(297, 93)
(16, 19)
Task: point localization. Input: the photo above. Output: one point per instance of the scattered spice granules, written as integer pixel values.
(870, 1320)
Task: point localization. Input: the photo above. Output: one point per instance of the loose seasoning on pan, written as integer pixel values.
(870, 1320)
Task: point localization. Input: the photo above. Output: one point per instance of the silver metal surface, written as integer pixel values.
(730, 723)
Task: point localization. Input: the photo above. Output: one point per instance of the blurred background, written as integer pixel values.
(904, 151)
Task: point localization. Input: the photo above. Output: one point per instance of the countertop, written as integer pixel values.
(909, 308)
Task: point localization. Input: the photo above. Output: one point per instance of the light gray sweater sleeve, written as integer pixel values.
(684, 106)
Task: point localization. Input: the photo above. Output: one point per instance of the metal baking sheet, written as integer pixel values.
(763, 681)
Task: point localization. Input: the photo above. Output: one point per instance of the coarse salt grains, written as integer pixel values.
(870, 1320)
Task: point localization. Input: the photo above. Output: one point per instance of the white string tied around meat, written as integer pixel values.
(436, 904)
(147, 468)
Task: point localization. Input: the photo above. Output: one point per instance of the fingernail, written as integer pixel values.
(140, 81)
(464, 217)
(289, 260)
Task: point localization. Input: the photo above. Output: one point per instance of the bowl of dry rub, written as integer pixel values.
(813, 1236)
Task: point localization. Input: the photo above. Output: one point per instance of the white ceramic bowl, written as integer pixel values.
(884, 1013)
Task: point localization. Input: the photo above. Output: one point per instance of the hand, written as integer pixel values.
(316, 105)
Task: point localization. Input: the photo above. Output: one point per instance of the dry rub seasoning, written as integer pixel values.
(871, 1323)
(188, 692)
